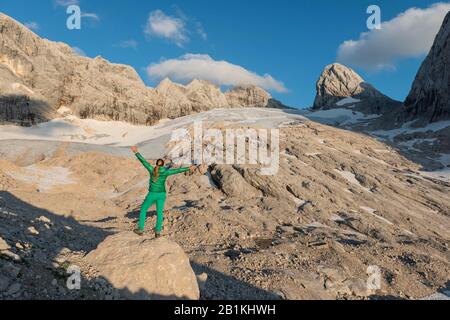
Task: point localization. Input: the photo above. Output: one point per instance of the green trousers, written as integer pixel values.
(150, 200)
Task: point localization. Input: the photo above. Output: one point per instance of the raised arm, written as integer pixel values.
(144, 162)
(177, 171)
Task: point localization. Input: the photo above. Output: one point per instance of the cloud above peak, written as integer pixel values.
(32, 25)
(409, 35)
(167, 27)
(90, 15)
(65, 3)
(203, 67)
(177, 29)
(133, 44)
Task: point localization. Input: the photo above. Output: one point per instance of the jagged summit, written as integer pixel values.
(429, 99)
(335, 82)
(338, 82)
(167, 84)
(198, 83)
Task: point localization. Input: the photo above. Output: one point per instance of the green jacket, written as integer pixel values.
(159, 186)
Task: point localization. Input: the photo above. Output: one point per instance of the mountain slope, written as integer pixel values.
(429, 99)
(340, 203)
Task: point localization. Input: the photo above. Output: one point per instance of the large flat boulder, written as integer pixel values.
(145, 269)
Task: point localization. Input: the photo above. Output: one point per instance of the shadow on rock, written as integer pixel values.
(42, 246)
(223, 287)
(23, 110)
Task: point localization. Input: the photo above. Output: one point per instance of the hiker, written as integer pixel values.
(157, 191)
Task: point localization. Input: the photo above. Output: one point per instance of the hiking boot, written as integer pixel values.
(139, 232)
(157, 235)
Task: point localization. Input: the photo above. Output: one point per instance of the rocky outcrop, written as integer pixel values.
(40, 77)
(145, 269)
(338, 82)
(251, 96)
(231, 182)
(429, 99)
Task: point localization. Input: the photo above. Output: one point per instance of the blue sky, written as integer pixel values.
(291, 41)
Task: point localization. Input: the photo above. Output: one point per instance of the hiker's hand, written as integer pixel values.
(134, 149)
(192, 168)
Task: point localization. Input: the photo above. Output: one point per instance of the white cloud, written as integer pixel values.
(171, 28)
(65, 3)
(92, 16)
(34, 26)
(409, 35)
(79, 51)
(201, 31)
(133, 44)
(202, 66)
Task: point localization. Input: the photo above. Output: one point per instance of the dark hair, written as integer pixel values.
(159, 164)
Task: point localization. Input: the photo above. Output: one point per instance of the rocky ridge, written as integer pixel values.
(42, 79)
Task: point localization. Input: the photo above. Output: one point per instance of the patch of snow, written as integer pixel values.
(121, 134)
(410, 143)
(443, 174)
(337, 218)
(372, 212)
(382, 151)
(340, 116)
(445, 159)
(406, 128)
(350, 177)
(334, 114)
(348, 100)
(45, 178)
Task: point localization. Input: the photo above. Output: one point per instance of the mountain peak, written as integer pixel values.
(167, 84)
(343, 72)
(338, 82)
(199, 83)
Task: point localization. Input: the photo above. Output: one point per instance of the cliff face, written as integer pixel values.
(429, 99)
(39, 77)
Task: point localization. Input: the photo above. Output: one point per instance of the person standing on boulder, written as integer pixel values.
(157, 191)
